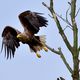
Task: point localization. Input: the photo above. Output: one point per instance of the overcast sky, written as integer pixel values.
(25, 65)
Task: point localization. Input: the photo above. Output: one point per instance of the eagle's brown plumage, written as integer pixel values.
(10, 42)
(31, 22)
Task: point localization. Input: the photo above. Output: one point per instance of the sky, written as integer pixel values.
(25, 65)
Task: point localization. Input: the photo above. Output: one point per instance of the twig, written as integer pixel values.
(77, 12)
(67, 27)
(53, 50)
(67, 14)
(65, 20)
(61, 78)
(50, 16)
(46, 5)
(69, 3)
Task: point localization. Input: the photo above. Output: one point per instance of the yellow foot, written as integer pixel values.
(45, 48)
(38, 55)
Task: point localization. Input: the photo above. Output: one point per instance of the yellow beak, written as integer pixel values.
(18, 36)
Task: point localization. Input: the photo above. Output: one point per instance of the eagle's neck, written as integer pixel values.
(24, 37)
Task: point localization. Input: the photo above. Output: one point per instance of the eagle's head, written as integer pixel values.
(22, 37)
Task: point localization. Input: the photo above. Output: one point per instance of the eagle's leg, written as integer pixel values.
(42, 41)
(37, 43)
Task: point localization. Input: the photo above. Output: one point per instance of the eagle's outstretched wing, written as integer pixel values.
(32, 21)
(10, 41)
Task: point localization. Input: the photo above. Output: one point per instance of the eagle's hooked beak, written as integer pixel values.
(18, 36)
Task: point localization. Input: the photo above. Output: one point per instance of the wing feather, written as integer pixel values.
(32, 21)
(10, 41)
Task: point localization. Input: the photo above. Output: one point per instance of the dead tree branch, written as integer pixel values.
(59, 52)
(59, 27)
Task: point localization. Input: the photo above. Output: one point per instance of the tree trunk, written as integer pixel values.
(75, 74)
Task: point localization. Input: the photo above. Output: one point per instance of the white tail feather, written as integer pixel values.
(43, 39)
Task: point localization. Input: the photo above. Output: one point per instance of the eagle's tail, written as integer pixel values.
(43, 42)
(37, 44)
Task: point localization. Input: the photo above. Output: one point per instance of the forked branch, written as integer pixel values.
(59, 52)
(64, 37)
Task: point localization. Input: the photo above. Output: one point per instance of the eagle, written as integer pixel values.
(31, 22)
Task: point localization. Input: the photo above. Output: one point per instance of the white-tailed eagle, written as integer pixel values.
(31, 22)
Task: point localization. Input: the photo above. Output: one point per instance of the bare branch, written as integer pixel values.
(73, 10)
(77, 12)
(67, 14)
(64, 60)
(59, 52)
(50, 16)
(65, 20)
(53, 50)
(60, 29)
(46, 5)
(69, 3)
(51, 5)
(67, 27)
(61, 78)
